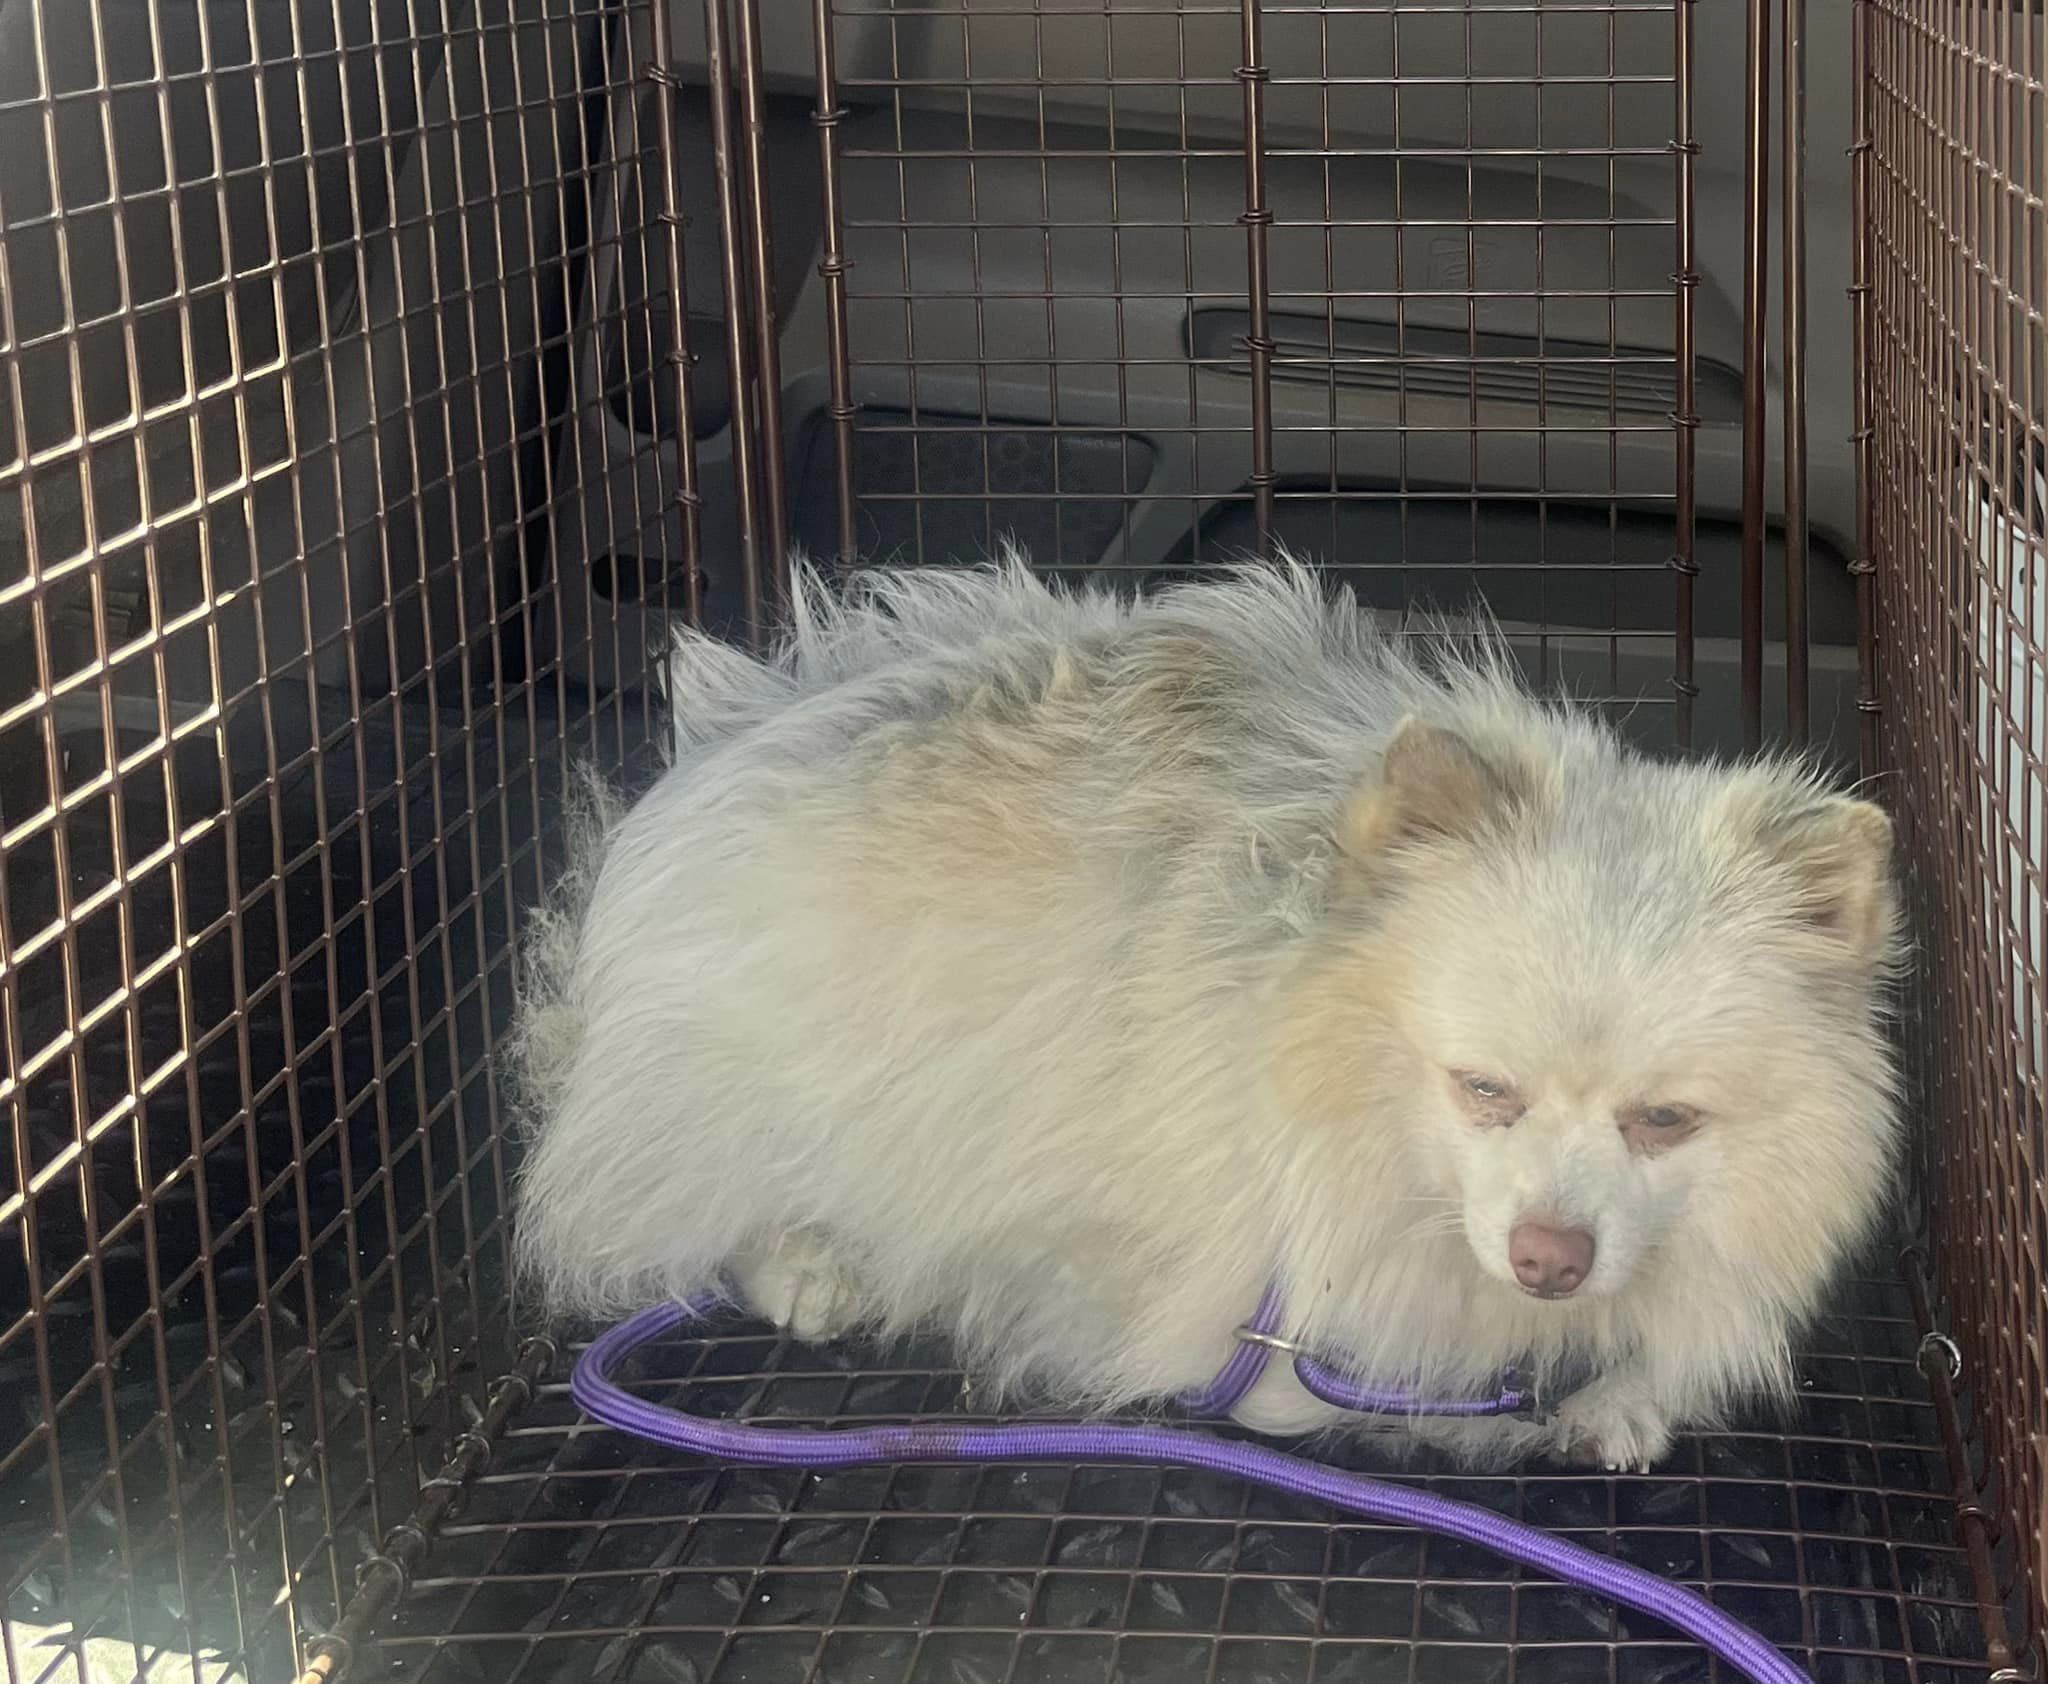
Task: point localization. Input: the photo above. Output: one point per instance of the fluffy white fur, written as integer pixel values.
(1058, 970)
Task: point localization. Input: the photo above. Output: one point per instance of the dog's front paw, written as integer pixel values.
(1278, 1406)
(1614, 1425)
(803, 1288)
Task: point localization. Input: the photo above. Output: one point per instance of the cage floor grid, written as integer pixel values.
(582, 1555)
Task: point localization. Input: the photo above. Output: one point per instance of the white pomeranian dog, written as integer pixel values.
(1062, 972)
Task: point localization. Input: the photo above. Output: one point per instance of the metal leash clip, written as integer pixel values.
(1536, 1408)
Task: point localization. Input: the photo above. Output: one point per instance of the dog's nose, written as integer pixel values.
(1550, 1262)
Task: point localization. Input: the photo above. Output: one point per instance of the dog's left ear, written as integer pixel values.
(1432, 786)
(1835, 853)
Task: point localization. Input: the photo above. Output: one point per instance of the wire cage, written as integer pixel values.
(379, 377)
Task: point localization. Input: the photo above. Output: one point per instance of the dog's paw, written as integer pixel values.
(1278, 1406)
(803, 1289)
(1612, 1425)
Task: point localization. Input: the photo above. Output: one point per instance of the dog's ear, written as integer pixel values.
(1431, 786)
(1834, 853)
(1840, 853)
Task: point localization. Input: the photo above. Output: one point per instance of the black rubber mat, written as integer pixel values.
(583, 1555)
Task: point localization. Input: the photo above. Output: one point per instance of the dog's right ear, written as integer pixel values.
(1431, 786)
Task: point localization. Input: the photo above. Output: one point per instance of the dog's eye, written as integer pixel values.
(1652, 1128)
(1490, 1101)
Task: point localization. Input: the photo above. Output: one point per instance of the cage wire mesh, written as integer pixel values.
(1303, 273)
(368, 412)
(288, 296)
(1956, 263)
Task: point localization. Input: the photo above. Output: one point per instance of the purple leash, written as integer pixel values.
(1258, 1338)
(604, 1401)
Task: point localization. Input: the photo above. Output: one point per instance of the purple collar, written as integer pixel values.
(1260, 1337)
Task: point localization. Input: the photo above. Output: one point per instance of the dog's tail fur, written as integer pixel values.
(870, 623)
(714, 692)
(549, 1026)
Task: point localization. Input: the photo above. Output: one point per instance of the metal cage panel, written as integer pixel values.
(287, 296)
(1955, 259)
(1399, 286)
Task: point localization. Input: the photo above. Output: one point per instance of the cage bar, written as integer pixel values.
(1792, 313)
(829, 116)
(1756, 259)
